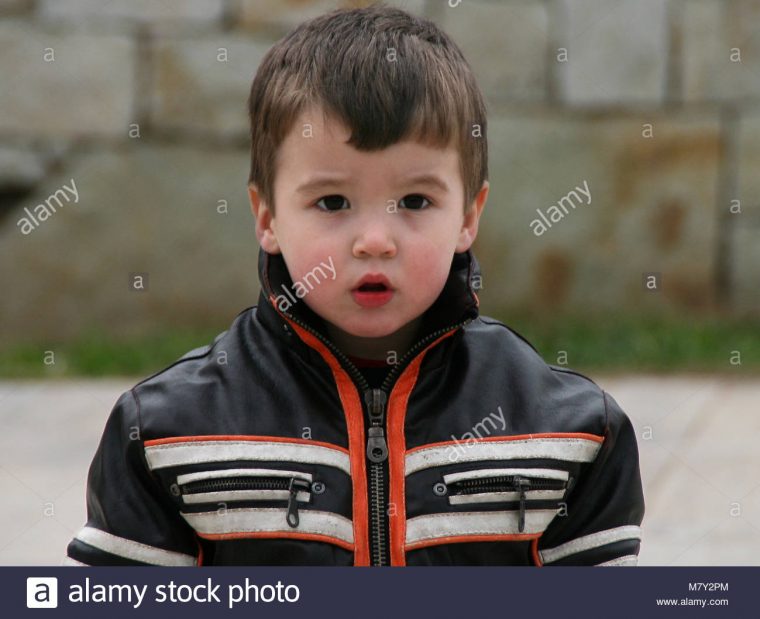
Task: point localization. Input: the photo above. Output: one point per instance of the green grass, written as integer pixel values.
(646, 344)
(612, 344)
(100, 355)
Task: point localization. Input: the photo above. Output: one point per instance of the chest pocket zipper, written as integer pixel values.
(500, 486)
(293, 488)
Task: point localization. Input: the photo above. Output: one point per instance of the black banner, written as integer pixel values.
(387, 592)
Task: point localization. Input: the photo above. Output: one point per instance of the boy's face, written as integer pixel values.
(372, 214)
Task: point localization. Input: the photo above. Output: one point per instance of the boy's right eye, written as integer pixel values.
(332, 203)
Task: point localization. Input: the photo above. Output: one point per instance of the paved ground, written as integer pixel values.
(698, 438)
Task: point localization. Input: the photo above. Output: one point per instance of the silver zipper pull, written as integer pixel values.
(294, 487)
(522, 483)
(377, 447)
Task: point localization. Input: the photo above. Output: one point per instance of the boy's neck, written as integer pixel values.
(391, 346)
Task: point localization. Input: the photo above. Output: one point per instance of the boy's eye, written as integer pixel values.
(332, 203)
(414, 202)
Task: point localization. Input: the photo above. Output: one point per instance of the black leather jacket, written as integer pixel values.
(269, 447)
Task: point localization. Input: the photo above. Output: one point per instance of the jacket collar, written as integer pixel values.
(457, 303)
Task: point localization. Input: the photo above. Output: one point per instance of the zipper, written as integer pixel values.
(293, 485)
(505, 483)
(377, 447)
(377, 453)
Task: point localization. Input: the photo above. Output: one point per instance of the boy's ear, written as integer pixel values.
(264, 222)
(470, 223)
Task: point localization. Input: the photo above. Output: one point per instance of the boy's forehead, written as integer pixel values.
(315, 125)
(322, 138)
(325, 125)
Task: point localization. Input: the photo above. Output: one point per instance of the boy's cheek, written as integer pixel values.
(305, 255)
(430, 259)
(318, 276)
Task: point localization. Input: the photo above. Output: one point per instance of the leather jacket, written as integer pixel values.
(269, 447)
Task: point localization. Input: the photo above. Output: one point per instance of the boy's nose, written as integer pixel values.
(374, 240)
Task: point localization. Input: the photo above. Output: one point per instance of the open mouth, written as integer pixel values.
(372, 288)
(374, 291)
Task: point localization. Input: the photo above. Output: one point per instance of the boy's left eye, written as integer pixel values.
(414, 202)
(332, 203)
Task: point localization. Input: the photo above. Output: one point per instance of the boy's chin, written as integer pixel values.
(369, 334)
(364, 330)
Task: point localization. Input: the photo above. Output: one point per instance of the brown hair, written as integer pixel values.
(383, 73)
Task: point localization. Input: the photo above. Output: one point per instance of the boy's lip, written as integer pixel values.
(373, 278)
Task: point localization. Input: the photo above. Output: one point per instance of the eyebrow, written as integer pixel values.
(431, 180)
(318, 183)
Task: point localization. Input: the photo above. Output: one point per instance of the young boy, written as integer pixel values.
(363, 413)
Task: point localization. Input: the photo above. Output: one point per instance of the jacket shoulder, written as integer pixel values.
(193, 380)
(555, 391)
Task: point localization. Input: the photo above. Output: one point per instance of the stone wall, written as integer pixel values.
(653, 106)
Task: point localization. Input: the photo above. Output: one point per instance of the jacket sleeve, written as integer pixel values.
(605, 508)
(130, 519)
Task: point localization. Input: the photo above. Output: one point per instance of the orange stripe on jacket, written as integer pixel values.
(455, 539)
(534, 552)
(242, 437)
(517, 437)
(315, 537)
(352, 408)
(397, 404)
